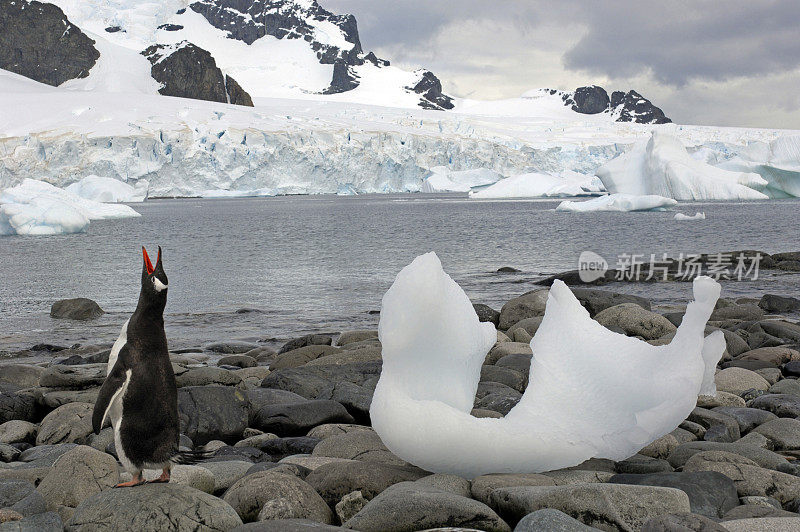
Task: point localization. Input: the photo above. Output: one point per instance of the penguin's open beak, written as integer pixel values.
(147, 263)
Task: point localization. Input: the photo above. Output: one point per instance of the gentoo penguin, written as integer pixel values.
(139, 396)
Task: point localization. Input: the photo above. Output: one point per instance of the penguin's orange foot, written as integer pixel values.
(136, 481)
(163, 479)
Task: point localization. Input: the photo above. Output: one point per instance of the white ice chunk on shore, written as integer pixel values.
(39, 208)
(109, 190)
(685, 217)
(592, 392)
(536, 185)
(442, 179)
(663, 167)
(619, 203)
(777, 162)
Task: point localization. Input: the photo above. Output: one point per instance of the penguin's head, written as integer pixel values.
(154, 280)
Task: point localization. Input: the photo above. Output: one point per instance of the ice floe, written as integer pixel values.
(695, 216)
(39, 208)
(442, 179)
(619, 203)
(592, 392)
(536, 185)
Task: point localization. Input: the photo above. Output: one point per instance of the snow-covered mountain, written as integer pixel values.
(234, 51)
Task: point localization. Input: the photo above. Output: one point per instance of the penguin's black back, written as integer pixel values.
(149, 430)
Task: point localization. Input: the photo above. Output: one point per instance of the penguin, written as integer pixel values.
(139, 396)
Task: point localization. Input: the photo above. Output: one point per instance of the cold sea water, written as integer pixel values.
(268, 269)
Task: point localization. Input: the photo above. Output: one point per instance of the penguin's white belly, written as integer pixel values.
(115, 413)
(118, 345)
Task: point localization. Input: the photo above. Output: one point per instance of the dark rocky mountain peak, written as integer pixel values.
(623, 106)
(37, 41)
(430, 88)
(188, 71)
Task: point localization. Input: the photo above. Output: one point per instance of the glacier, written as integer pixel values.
(778, 162)
(433, 349)
(39, 208)
(663, 167)
(618, 203)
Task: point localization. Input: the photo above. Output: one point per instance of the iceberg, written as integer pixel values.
(536, 185)
(442, 179)
(663, 167)
(696, 216)
(592, 392)
(777, 162)
(619, 203)
(39, 208)
(109, 190)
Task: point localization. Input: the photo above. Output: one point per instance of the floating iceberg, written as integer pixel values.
(108, 190)
(696, 216)
(442, 179)
(592, 392)
(39, 208)
(662, 166)
(777, 162)
(618, 202)
(535, 185)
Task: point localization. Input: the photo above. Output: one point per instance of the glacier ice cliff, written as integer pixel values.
(592, 392)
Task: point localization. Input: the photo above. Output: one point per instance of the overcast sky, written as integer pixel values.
(716, 62)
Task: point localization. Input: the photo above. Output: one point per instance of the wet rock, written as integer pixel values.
(79, 308)
(21, 497)
(640, 464)
(511, 378)
(621, 506)
(309, 339)
(551, 520)
(786, 386)
(43, 522)
(409, 506)
(737, 312)
(239, 360)
(782, 405)
(503, 349)
(711, 494)
(766, 524)
(636, 321)
(596, 301)
(16, 406)
(153, 507)
(270, 495)
(782, 329)
(486, 313)
(447, 482)
(197, 477)
(18, 431)
(749, 478)
(213, 413)
(279, 448)
(783, 433)
(483, 485)
(83, 376)
(21, 374)
(336, 479)
(291, 419)
(771, 355)
(350, 337)
(334, 429)
(528, 305)
(686, 522)
(71, 423)
(737, 380)
(762, 457)
(747, 418)
(301, 356)
(776, 303)
(206, 376)
(78, 474)
(226, 473)
(311, 381)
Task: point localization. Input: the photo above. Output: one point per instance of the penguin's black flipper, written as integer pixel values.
(113, 384)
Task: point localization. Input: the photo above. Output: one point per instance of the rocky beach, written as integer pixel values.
(288, 444)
